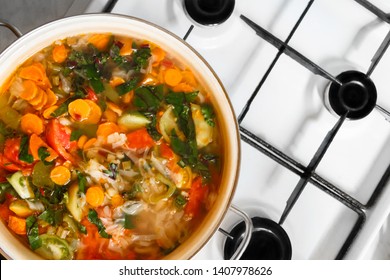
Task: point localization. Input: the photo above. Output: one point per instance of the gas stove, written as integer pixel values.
(308, 80)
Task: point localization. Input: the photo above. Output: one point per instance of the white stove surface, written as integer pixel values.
(289, 114)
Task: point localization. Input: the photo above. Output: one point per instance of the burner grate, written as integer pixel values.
(308, 173)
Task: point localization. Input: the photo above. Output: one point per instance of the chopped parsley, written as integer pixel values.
(94, 219)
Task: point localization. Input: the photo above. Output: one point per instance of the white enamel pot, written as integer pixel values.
(32, 42)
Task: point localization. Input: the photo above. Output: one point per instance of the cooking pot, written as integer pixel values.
(32, 42)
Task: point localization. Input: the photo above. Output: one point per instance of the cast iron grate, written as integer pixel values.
(307, 173)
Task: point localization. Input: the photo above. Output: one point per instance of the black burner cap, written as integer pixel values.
(209, 12)
(269, 241)
(356, 94)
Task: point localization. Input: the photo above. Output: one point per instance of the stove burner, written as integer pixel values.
(209, 12)
(269, 241)
(357, 94)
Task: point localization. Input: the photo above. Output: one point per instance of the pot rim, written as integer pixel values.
(76, 25)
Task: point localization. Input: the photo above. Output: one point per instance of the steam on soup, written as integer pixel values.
(109, 149)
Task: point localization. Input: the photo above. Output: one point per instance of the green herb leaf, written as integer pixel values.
(127, 86)
(43, 154)
(33, 232)
(62, 109)
(23, 153)
(53, 217)
(129, 224)
(152, 126)
(75, 135)
(82, 181)
(94, 219)
(208, 114)
(180, 201)
(148, 98)
(97, 85)
(140, 58)
(5, 188)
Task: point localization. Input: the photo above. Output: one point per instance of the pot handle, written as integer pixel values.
(11, 27)
(247, 234)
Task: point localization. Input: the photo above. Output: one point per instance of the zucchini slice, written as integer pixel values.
(21, 185)
(132, 121)
(54, 248)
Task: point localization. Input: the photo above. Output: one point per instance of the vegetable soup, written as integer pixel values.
(109, 149)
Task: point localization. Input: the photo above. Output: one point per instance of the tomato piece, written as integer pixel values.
(166, 151)
(91, 95)
(195, 197)
(11, 152)
(6, 164)
(58, 138)
(139, 139)
(5, 212)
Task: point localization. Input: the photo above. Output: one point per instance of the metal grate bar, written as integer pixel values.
(311, 167)
(109, 6)
(271, 151)
(254, 94)
(374, 9)
(298, 57)
(188, 32)
(352, 236)
(379, 54)
(336, 192)
(379, 188)
(383, 111)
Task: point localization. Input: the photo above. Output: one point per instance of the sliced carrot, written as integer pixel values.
(95, 196)
(183, 87)
(139, 139)
(117, 200)
(100, 41)
(96, 112)
(31, 124)
(60, 175)
(173, 77)
(81, 142)
(89, 143)
(189, 78)
(35, 72)
(35, 143)
(110, 116)
(38, 97)
(79, 110)
(114, 107)
(116, 81)
(106, 129)
(51, 98)
(128, 97)
(17, 225)
(158, 55)
(30, 90)
(60, 53)
(47, 113)
(127, 48)
(43, 102)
